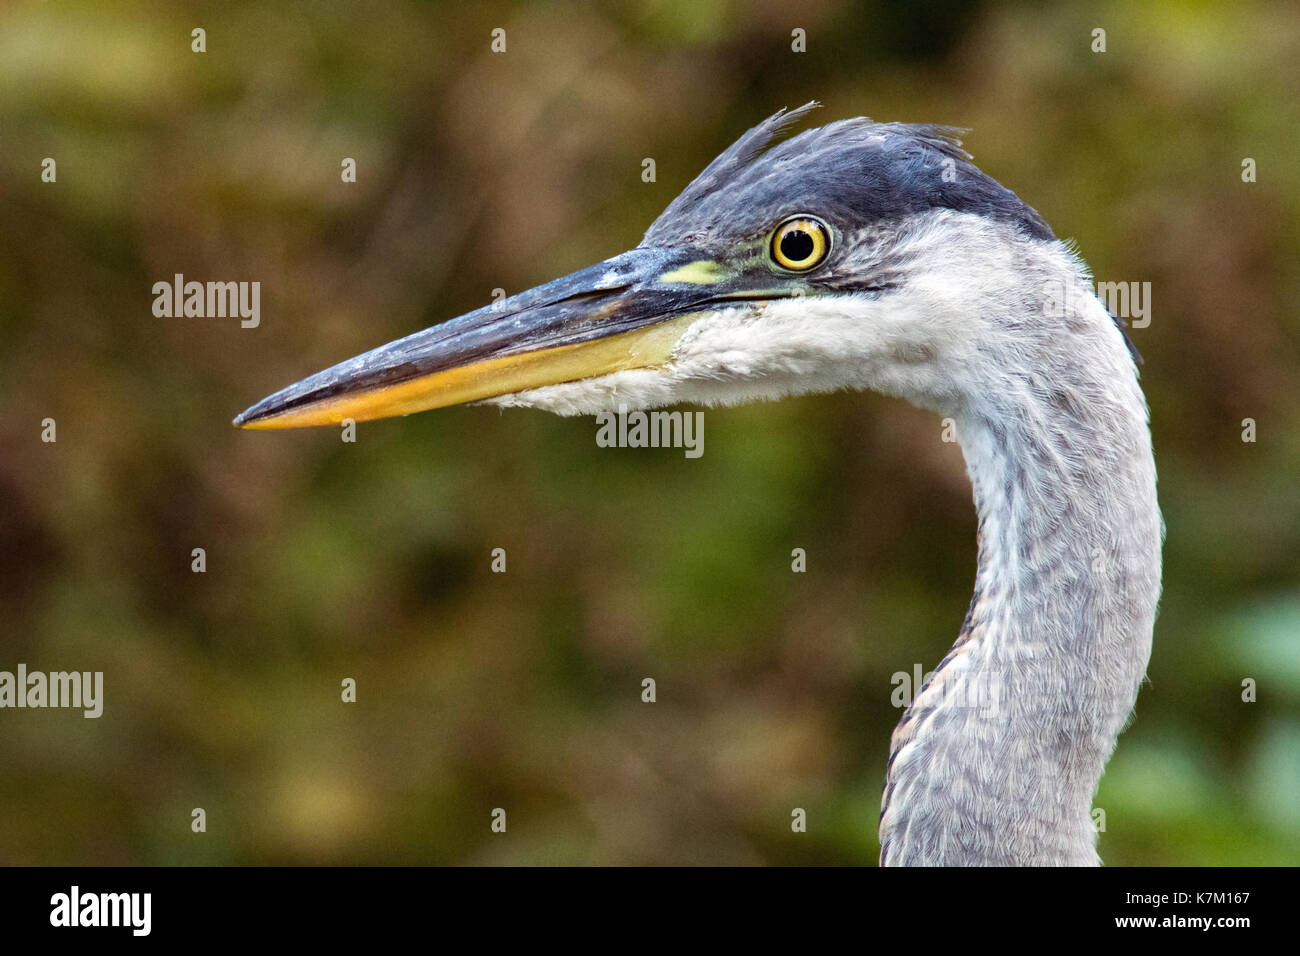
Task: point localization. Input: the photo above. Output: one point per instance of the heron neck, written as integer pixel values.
(999, 756)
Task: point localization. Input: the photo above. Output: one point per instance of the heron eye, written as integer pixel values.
(800, 243)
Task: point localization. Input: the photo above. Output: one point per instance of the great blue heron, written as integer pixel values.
(876, 255)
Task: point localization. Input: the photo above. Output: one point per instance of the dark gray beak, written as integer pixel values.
(626, 312)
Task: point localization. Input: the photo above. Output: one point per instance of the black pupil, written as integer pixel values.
(797, 245)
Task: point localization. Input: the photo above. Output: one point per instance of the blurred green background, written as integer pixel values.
(371, 560)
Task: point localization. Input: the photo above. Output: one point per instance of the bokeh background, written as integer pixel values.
(371, 560)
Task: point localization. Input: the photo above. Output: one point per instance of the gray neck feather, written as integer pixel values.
(998, 758)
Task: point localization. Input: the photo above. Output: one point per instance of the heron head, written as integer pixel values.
(856, 255)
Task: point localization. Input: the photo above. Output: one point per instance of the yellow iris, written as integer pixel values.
(800, 243)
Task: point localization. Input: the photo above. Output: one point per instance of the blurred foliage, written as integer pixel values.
(477, 690)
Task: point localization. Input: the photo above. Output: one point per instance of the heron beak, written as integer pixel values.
(624, 313)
